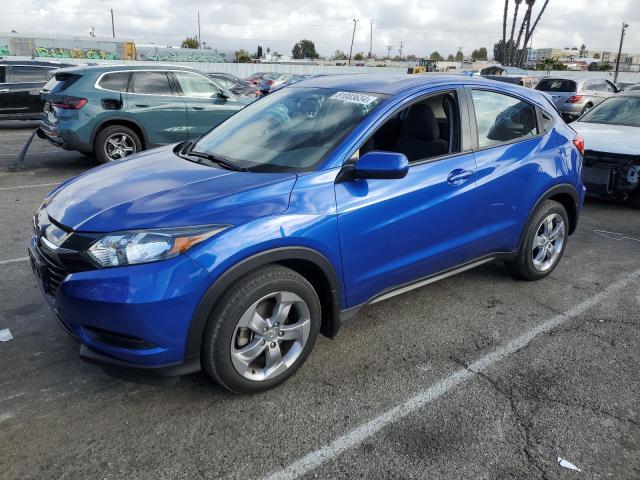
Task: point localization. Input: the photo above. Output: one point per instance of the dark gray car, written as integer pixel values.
(576, 97)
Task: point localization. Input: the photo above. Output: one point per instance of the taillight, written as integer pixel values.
(71, 103)
(574, 99)
(579, 143)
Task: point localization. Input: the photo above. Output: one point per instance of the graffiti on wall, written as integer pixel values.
(4, 50)
(89, 53)
(174, 55)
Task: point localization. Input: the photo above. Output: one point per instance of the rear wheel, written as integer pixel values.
(544, 242)
(262, 331)
(116, 142)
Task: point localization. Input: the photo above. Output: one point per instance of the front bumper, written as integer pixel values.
(134, 317)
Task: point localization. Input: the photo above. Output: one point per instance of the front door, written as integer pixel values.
(206, 105)
(396, 231)
(156, 107)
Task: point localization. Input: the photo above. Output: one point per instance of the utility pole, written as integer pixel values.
(355, 22)
(199, 36)
(113, 27)
(389, 47)
(371, 41)
(624, 28)
(400, 50)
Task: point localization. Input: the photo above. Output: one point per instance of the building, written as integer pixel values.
(577, 56)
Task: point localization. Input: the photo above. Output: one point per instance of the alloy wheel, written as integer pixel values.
(548, 242)
(119, 145)
(270, 336)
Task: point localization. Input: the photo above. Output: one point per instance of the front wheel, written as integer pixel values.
(544, 242)
(262, 331)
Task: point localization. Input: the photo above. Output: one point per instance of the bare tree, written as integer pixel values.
(516, 56)
(535, 24)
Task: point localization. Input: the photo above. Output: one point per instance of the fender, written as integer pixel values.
(226, 279)
(564, 188)
(116, 119)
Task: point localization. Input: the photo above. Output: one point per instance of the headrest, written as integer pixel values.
(421, 123)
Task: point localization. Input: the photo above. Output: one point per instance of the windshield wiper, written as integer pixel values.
(216, 159)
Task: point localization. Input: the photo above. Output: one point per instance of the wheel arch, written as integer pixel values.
(124, 121)
(312, 265)
(565, 194)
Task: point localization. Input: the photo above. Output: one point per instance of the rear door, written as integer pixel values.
(25, 82)
(157, 107)
(206, 105)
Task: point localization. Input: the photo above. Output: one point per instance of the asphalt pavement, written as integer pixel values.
(479, 376)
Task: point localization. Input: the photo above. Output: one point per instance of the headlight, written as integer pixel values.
(142, 246)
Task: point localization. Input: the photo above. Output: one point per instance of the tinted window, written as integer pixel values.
(501, 118)
(28, 74)
(194, 85)
(547, 121)
(116, 81)
(2, 74)
(551, 85)
(152, 83)
(60, 82)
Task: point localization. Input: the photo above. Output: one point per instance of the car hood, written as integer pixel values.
(157, 189)
(609, 138)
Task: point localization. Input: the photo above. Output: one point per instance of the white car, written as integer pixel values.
(611, 133)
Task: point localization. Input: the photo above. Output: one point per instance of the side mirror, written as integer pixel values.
(381, 165)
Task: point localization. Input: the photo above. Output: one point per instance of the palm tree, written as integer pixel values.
(525, 21)
(504, 31)
(513, 29)
(535, 24)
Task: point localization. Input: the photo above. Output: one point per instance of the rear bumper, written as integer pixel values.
(64, 137)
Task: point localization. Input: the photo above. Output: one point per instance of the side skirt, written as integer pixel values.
(349, 313)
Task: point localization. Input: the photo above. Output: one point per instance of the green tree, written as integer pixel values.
(596, 56)
(436, 56)
(358, 56)
(304, 49)
(242, 56)
(459, 56)
(412, 58)
(339, 55)
(450, 58)
(605, 67)
(190, 42)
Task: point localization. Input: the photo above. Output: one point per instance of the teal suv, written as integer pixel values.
(115, 111)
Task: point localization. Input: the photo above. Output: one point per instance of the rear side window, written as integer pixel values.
(197, 86)
(25, 74)
(551, 85)
(116, 81)
(151, 83)
(60, 82)
(546, 121)
(501, 118)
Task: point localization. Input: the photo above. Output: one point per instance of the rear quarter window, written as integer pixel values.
(116, 81)
(60, 82)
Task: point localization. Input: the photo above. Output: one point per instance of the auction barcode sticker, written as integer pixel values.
(354, 98)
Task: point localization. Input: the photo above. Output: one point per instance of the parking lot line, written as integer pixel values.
(354, 438)
(14, 260)
(30, 186)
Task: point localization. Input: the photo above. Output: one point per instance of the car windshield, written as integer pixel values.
(290, 130)
(556, 85)
(623, 111)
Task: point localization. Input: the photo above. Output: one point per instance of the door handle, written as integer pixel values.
(459, 176)
(142, 105)
(197, 108)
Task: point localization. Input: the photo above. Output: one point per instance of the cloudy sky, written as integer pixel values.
(422, 25)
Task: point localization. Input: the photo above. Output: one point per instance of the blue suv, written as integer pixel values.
(232, 252)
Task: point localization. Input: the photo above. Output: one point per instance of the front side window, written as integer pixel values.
(151, 83)
(501, 118)
(197, 86)
(116, 81)
(28, 74)
(290, 130)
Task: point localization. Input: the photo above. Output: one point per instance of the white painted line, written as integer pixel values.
(355, 437)
(14, 260)
(615, 235)
(31, 186)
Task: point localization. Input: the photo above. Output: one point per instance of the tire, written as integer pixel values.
(533, 262)
(108, 141)
(238, 352)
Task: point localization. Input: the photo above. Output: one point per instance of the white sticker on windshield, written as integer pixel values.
(354, 98)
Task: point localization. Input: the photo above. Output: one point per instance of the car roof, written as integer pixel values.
(393, 84)
(124, 66)
(34, 63)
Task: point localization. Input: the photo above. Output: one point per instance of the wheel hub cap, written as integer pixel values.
(548, 242)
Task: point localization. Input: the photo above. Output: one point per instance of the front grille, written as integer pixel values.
(53, 275)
